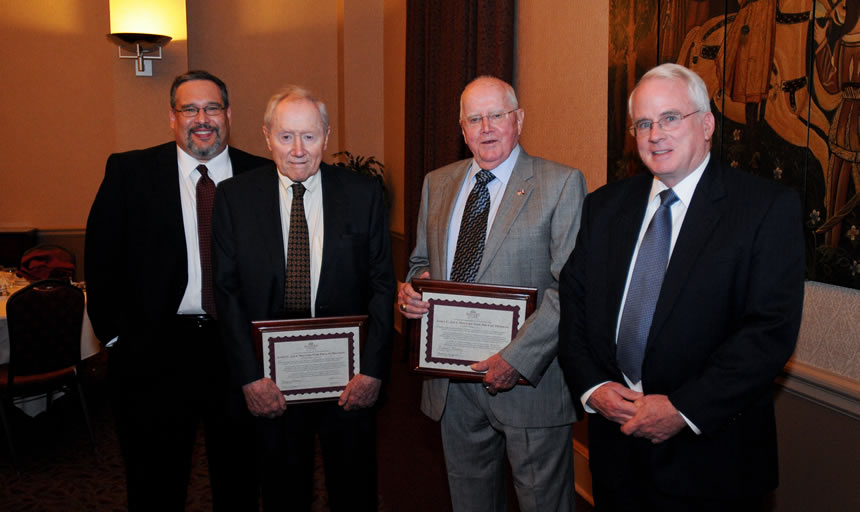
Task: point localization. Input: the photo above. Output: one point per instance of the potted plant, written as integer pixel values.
(367, 166)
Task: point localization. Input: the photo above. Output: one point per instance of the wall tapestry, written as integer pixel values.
(784, 81)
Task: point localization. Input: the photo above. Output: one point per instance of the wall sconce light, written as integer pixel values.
(141, 47)
(142, 28)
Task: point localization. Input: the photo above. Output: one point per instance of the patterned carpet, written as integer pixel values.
(58, 469)
(60, 472)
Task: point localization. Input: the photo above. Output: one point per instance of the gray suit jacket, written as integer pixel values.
(532, 235)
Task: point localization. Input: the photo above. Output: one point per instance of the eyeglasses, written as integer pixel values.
(494, 119)
(667, 123)
(209, 110)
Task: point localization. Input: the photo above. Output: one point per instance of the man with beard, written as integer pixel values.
(149, 278)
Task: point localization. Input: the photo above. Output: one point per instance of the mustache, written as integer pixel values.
(204, 126)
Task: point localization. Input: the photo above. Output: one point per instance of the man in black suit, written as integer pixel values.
(347, 272)
(677, 371)
(149, 294)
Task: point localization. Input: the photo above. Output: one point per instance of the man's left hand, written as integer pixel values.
(655, 419)
(361, 392)
(500, 375)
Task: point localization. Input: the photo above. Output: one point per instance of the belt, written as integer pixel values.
(198, 321)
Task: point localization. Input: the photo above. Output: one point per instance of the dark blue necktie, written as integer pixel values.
(644, 289)
(473, 230)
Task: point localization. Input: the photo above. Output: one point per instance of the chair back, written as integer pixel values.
(47, 261)
(44, 321)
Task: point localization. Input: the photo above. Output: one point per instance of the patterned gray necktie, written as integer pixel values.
(297, 286)
(473, 230)
(644, 289)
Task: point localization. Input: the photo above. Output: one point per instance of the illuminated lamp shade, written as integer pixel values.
(141, 28)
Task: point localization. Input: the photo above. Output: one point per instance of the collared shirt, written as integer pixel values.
(313, 202)
(684, 190)
(220, 168)
(496, 188)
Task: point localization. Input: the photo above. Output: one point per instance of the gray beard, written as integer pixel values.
(206, 152)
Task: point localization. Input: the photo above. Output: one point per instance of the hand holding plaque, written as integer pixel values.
(466, 323)
(313, 359)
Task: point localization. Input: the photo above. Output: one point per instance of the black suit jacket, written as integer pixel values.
(135, 258)
(726, 322)
(356, 275)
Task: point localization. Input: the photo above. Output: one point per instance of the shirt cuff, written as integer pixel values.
(690, 424)
(585, 396)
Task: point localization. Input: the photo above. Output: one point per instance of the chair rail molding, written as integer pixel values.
(836, 392)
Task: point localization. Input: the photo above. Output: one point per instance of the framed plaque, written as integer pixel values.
(467, 323)
(313, 359)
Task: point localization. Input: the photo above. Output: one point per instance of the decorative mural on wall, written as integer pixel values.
(784, 80)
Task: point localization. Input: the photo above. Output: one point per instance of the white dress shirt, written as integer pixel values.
(496, 188)
(684, 190)
(313, 202)
(220, 169)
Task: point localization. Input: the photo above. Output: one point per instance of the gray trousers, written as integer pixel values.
(475, 443)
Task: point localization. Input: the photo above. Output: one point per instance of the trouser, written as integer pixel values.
(475, 444)
(348, 443)
(160, 400)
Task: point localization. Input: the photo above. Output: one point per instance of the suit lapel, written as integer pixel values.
(517, 194)
(267, 197)
(448, 189)
(167, 203)
(624, 232)
(704, 212)
(237, 161)
(333, 221)
(168, 195)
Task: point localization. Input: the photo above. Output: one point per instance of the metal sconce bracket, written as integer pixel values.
(140, 47)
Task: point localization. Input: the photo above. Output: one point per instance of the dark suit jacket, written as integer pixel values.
(356, 276)
(725, 324)
(136, 263)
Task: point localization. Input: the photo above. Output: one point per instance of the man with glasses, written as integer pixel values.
(525, 232)
(679, 306)
(149, 287)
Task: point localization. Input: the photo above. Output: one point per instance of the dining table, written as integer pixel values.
(90, 346)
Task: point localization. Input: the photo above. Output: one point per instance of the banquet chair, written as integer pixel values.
(44, 321)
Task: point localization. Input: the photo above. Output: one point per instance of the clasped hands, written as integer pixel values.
(266, 400)
(652, 417)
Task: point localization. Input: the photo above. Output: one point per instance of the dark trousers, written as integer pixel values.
(644, 498)
(348, 443)
(160, 398)
(629, 485)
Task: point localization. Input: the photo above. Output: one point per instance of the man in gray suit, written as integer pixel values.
(526, 233)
